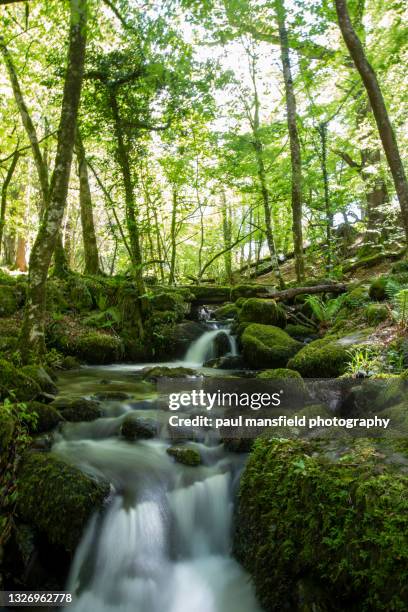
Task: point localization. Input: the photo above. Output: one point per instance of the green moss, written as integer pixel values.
(77, 410)
(378, 288)
(228, 311)
(153, 374)
(168, 302)
(335, 514)
(135, 428)
(47, 417)
(8, 300)
(267, 312)
(184, 455)
(376, 313)
(14, 383)
(300, 331)
(324, 358)
(96, 347)
(247, 291)
(279, 373)
(55, 296)
(240, 301)
(266, 346)
(400, 267)
(57, 498)
(41, 377)
(79, 296)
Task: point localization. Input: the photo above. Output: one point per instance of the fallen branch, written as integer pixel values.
(288, 294)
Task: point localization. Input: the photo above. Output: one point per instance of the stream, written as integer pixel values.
(163, 543)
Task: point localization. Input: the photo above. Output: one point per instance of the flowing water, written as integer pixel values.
(163, 542)
(204, 348)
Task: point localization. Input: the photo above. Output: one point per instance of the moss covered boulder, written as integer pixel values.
(71, 337)
(332, 514)
(376, 313)
(168, 302)
(157, 372)
(249, 291)
(47, 417)
(57, 498)
(77, 410)
(300, 332)
(324, 358)
(184, 455)
(378, 288)
(267, 312)
(16, 384)
(79, 296)
(41, 377)
(266, 346)
(135, 427)
(228, 311)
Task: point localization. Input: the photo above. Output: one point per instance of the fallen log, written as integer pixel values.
(288, 294)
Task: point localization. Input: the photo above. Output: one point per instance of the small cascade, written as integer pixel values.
(204, 347)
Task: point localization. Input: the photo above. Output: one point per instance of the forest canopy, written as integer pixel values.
(184, 141)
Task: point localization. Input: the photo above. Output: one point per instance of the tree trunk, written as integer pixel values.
(21, 261)
(380, 112)
(87, 219)
(131, 211)
(227, 232)
(4, 189)
(322, 129)
(32, 338)
(173, 239)
(295, 154)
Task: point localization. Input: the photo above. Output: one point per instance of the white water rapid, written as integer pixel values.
(204, 347)
(163, 543)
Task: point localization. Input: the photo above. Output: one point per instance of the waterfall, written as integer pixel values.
(204, 348)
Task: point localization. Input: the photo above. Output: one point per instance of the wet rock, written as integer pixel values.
(180, 337)
(228, 362)
(46, 417)
(184, 455)
(221, 344)
(157, 372)
(78, 410)
(56, 498)
(135, 427)
(118, 396)
(226, 312)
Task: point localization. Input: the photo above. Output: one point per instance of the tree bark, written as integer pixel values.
(295, 153)
(227, 233)
(87, 220)
(131, 211)
(32, 338)
(378, 106)
(4, 189)
(173, 238)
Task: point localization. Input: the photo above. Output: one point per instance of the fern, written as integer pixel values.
(324, 312)
(400, 311)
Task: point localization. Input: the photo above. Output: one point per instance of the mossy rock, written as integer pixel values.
(310, 508)
(161, 317)
(324, 358)
(376, 313)
(15, 384)
(228, 311)
(10, 327)
(9, 302)
(77, 410)
(57, 498)
(266, 346)
(300, 332)
(98, 348)
(289, 381)
(267, 312)
(48, 417)
(240, 301)
(184, 455)
(378, 288)
(56, 300)
(168, 302)
(157, 372)
(41, 377)
(356, 297)
(70, 363)
(7, 428)
(136, 427)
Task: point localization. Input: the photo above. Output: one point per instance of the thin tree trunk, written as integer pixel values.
(32, 338)
(87, 219)
(4, 189)
(322, 129)
(131, 210)
(380, 112)
(173, 238)
(21, 261)
(227, 232)
(295, 154)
